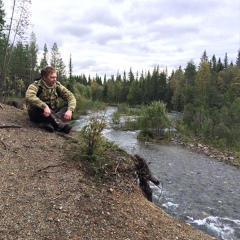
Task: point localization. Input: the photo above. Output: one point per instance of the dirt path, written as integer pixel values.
(45, 195)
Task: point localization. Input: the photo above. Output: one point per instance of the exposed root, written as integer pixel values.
(144, 176)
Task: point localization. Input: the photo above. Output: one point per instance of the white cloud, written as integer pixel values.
(108, 36)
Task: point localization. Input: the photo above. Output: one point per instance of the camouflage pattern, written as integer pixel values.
(48, 96)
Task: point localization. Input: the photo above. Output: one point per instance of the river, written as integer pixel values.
(194, 188)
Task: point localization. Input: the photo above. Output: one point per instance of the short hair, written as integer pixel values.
(47, 70)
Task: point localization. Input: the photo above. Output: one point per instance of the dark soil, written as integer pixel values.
(44, 194)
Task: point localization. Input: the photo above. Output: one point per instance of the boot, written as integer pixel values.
(67, 128)
(58, 125)
(48, 126)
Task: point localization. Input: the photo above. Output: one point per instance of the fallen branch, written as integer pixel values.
(10, 126)
(5, 146)
(51, 166)
(115, 172)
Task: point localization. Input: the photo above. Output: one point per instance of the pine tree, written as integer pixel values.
(202, 86)
(32, 58)
(238, 59)
(176, 82)
(57, 62)
(44, 60)
(225, 61)
(220, 66)
(190, 74)
(70, 84)
(214, 63)
(204, 57)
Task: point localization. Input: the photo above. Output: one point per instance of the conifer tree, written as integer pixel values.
(32, 59)
(214, 63)
(44, 60)
(225, 61)
(57, 62)
(204, 57)
(220, 66)
(202, 86)
(70, 83)
(238, 59)
(189, 82)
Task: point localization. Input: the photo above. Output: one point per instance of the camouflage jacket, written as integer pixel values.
(48, 96)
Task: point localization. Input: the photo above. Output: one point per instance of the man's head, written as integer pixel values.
(49, 76)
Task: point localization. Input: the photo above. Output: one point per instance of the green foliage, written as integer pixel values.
(125, 118)
(92, 148)
(115, 119)
(127, 110)
(130, 123)
(92, 136)
(219, 127)
(153, 120)
(123, 109)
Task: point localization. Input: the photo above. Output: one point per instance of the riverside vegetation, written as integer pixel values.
(154, 124)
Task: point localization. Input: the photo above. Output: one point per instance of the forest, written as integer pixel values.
(207, 94)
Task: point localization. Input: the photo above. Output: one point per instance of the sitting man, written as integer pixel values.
(42, 102)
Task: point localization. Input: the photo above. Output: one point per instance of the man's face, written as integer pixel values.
(51, 79)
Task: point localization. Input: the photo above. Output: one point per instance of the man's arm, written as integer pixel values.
(68, 96)
(32, 99)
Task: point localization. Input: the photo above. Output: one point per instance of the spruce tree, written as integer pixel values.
(57, 62)
(238, 59)
(44, 60)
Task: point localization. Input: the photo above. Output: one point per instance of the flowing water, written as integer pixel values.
(194, 188)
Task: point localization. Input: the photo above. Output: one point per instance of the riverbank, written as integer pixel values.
(45, 195)
(196, 145)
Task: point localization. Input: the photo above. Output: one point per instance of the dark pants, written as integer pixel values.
(56, 117)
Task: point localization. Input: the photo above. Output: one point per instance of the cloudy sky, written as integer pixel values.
(111, 36)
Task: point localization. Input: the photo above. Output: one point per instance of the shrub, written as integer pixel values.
(91, 135)
(153, 121)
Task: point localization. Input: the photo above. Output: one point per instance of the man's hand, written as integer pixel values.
(68, 115)
(46, 112)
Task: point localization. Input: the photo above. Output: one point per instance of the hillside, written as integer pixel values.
(45, 195)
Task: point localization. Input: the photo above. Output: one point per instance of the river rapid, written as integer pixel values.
(194, 188)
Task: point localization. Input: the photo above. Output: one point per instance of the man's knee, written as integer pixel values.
(36, 114)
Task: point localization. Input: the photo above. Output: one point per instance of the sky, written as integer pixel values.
(112, 36)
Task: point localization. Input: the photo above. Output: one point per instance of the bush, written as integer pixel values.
(91, 135)
(153, 121)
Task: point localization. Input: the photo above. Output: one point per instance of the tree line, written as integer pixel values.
(208, 94)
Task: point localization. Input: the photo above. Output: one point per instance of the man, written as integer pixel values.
(42, 102)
